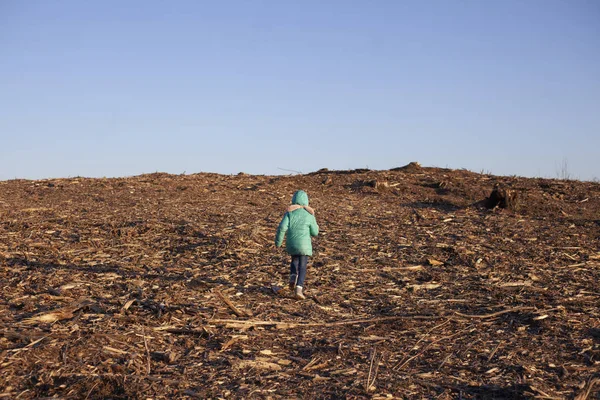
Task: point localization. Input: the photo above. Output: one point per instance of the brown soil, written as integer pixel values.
(168, 286)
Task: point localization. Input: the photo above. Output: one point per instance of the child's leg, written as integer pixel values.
(294, 266)
(302, 263)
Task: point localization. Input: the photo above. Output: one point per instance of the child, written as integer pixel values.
(300, 224)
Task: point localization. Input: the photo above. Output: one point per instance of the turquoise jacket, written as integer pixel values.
(300, 225)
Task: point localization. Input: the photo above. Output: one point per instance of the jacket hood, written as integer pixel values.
(300, 198)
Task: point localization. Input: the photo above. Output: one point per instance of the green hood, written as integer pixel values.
(300, 198)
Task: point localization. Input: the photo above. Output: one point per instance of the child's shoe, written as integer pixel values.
(292, 285)
(299, 294)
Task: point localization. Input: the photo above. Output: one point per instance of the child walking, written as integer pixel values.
(300, 224)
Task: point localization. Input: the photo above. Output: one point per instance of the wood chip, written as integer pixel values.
(258, 364)
(434, 262)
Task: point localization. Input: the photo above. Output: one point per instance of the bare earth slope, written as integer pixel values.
(166, 286)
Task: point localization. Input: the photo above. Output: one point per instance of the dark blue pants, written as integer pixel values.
(298, 270)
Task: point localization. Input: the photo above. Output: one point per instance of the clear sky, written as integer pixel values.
(119, 88)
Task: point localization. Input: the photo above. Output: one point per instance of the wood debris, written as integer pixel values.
(169, 286)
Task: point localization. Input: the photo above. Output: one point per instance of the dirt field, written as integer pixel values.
(162, 286)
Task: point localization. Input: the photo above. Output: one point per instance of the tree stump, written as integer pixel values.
(503, 198)
(410, 167)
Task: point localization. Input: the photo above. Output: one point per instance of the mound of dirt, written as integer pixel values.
(169, 286)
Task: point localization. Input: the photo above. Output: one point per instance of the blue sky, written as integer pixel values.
(119, 88)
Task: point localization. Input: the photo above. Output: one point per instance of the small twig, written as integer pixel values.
(236, 311)
(427, 334)
(147, 354)
(496, 314)
(29, 346)
(91, 390)
(445, 360)
(431, 330)
(311, 363)
(372, 374)
(575, 265)
(368, 381)
(402, 363)
(494, 352)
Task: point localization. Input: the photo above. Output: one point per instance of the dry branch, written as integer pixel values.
(496, 314)
(288, 325)
(236, 311)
